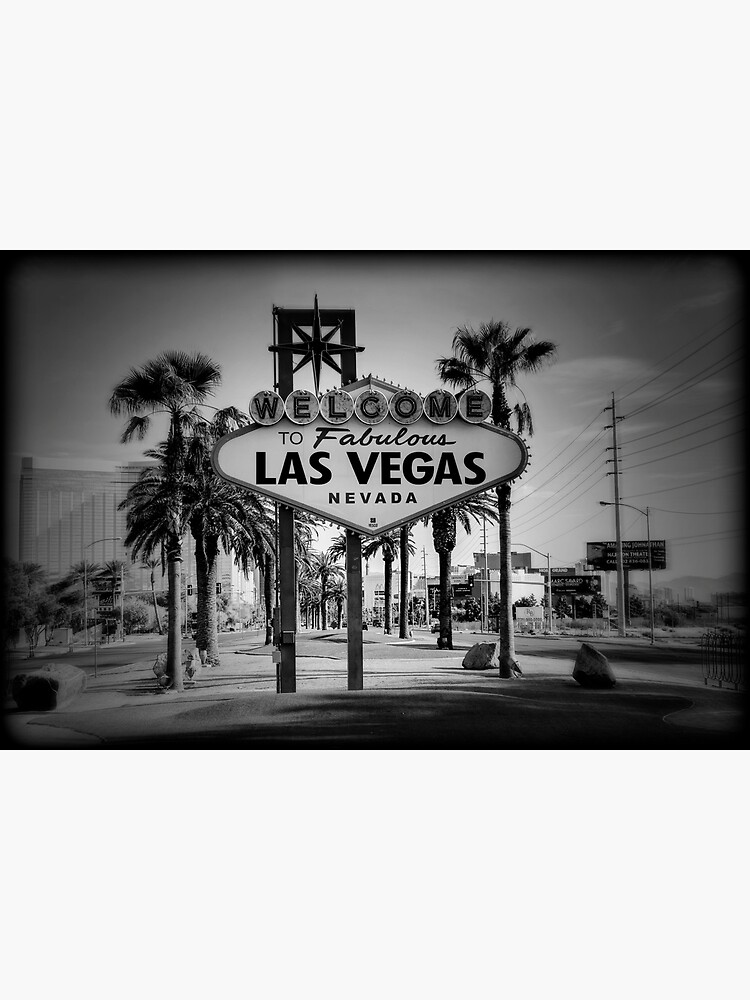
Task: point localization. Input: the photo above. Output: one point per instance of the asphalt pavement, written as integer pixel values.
(415, 696)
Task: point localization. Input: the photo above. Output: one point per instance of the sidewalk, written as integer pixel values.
(406, 702)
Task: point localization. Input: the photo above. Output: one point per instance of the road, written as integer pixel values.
(414, 695)
(332, 644)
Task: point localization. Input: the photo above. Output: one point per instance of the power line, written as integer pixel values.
(690, 420)
(565, 468)
(689, 383)
(549, 514)
(574, 528)
(684, 451)
(538, 506)
(682, 360)
(685, 539)
(685, 486)
(680, 437)
(698, 513)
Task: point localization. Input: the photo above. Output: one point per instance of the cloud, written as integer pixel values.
(697, 302)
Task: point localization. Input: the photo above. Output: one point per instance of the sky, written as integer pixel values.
(662, 333)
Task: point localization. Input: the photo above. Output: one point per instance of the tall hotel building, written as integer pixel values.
(71, 515)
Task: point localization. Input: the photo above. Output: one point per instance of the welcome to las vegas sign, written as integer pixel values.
(370, 457)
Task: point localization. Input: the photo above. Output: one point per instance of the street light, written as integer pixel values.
(110, 538)
(605, 503)
(549, 582)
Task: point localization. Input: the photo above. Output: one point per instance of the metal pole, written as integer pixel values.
(486, 598)
(85, 601)
(549, 595)
(426, 591)
(650, 579)
(122, 601)
(618, 535)
(355, 672)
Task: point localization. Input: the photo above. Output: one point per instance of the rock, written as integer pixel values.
(481, 656)
(509, 667)
(592, 668)
(52, 686)
(160, 666)
(191, 664)
(486, 656)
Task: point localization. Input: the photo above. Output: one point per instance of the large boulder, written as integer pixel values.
(52, 686)
(592, 668)
(487, 656)
(481, 656)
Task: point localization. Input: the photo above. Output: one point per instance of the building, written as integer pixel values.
(67, 516)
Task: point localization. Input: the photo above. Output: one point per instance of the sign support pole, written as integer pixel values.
(354, 645)
(355, 679)
(285, 320)
(287, 681)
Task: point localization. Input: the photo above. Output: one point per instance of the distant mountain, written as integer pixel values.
(703, 587)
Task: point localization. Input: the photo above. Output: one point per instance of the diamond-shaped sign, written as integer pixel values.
(370, 478)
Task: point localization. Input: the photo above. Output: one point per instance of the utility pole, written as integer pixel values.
(486, 589)
(426, 592)
(618, 535)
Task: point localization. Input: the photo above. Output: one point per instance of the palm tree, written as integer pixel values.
(72, 589)
(387, 545)
(497, 355)
(406, 549)
(337, 593)
(174, 383)
(309, 598)
(338, 546)
(444, 524)
(151, 565)
(221, 515)
(326, 571)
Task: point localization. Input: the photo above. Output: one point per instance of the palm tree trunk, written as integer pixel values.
(505, 623)
(201, 587)
(403, 617)
(174, 626)
(444, 539)
(323, 603)
(268, 572)
(445, 639)
(211, 545)
(156, 606)
(388, 587)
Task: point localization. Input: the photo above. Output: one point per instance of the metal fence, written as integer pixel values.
(723, 658)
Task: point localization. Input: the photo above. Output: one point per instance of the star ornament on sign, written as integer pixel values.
(316, 348)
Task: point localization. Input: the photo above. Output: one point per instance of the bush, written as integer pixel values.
(137, 615)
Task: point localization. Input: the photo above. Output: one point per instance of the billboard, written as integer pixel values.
(368, 464)
(603, 555)
(576, 584)
(459, 592)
